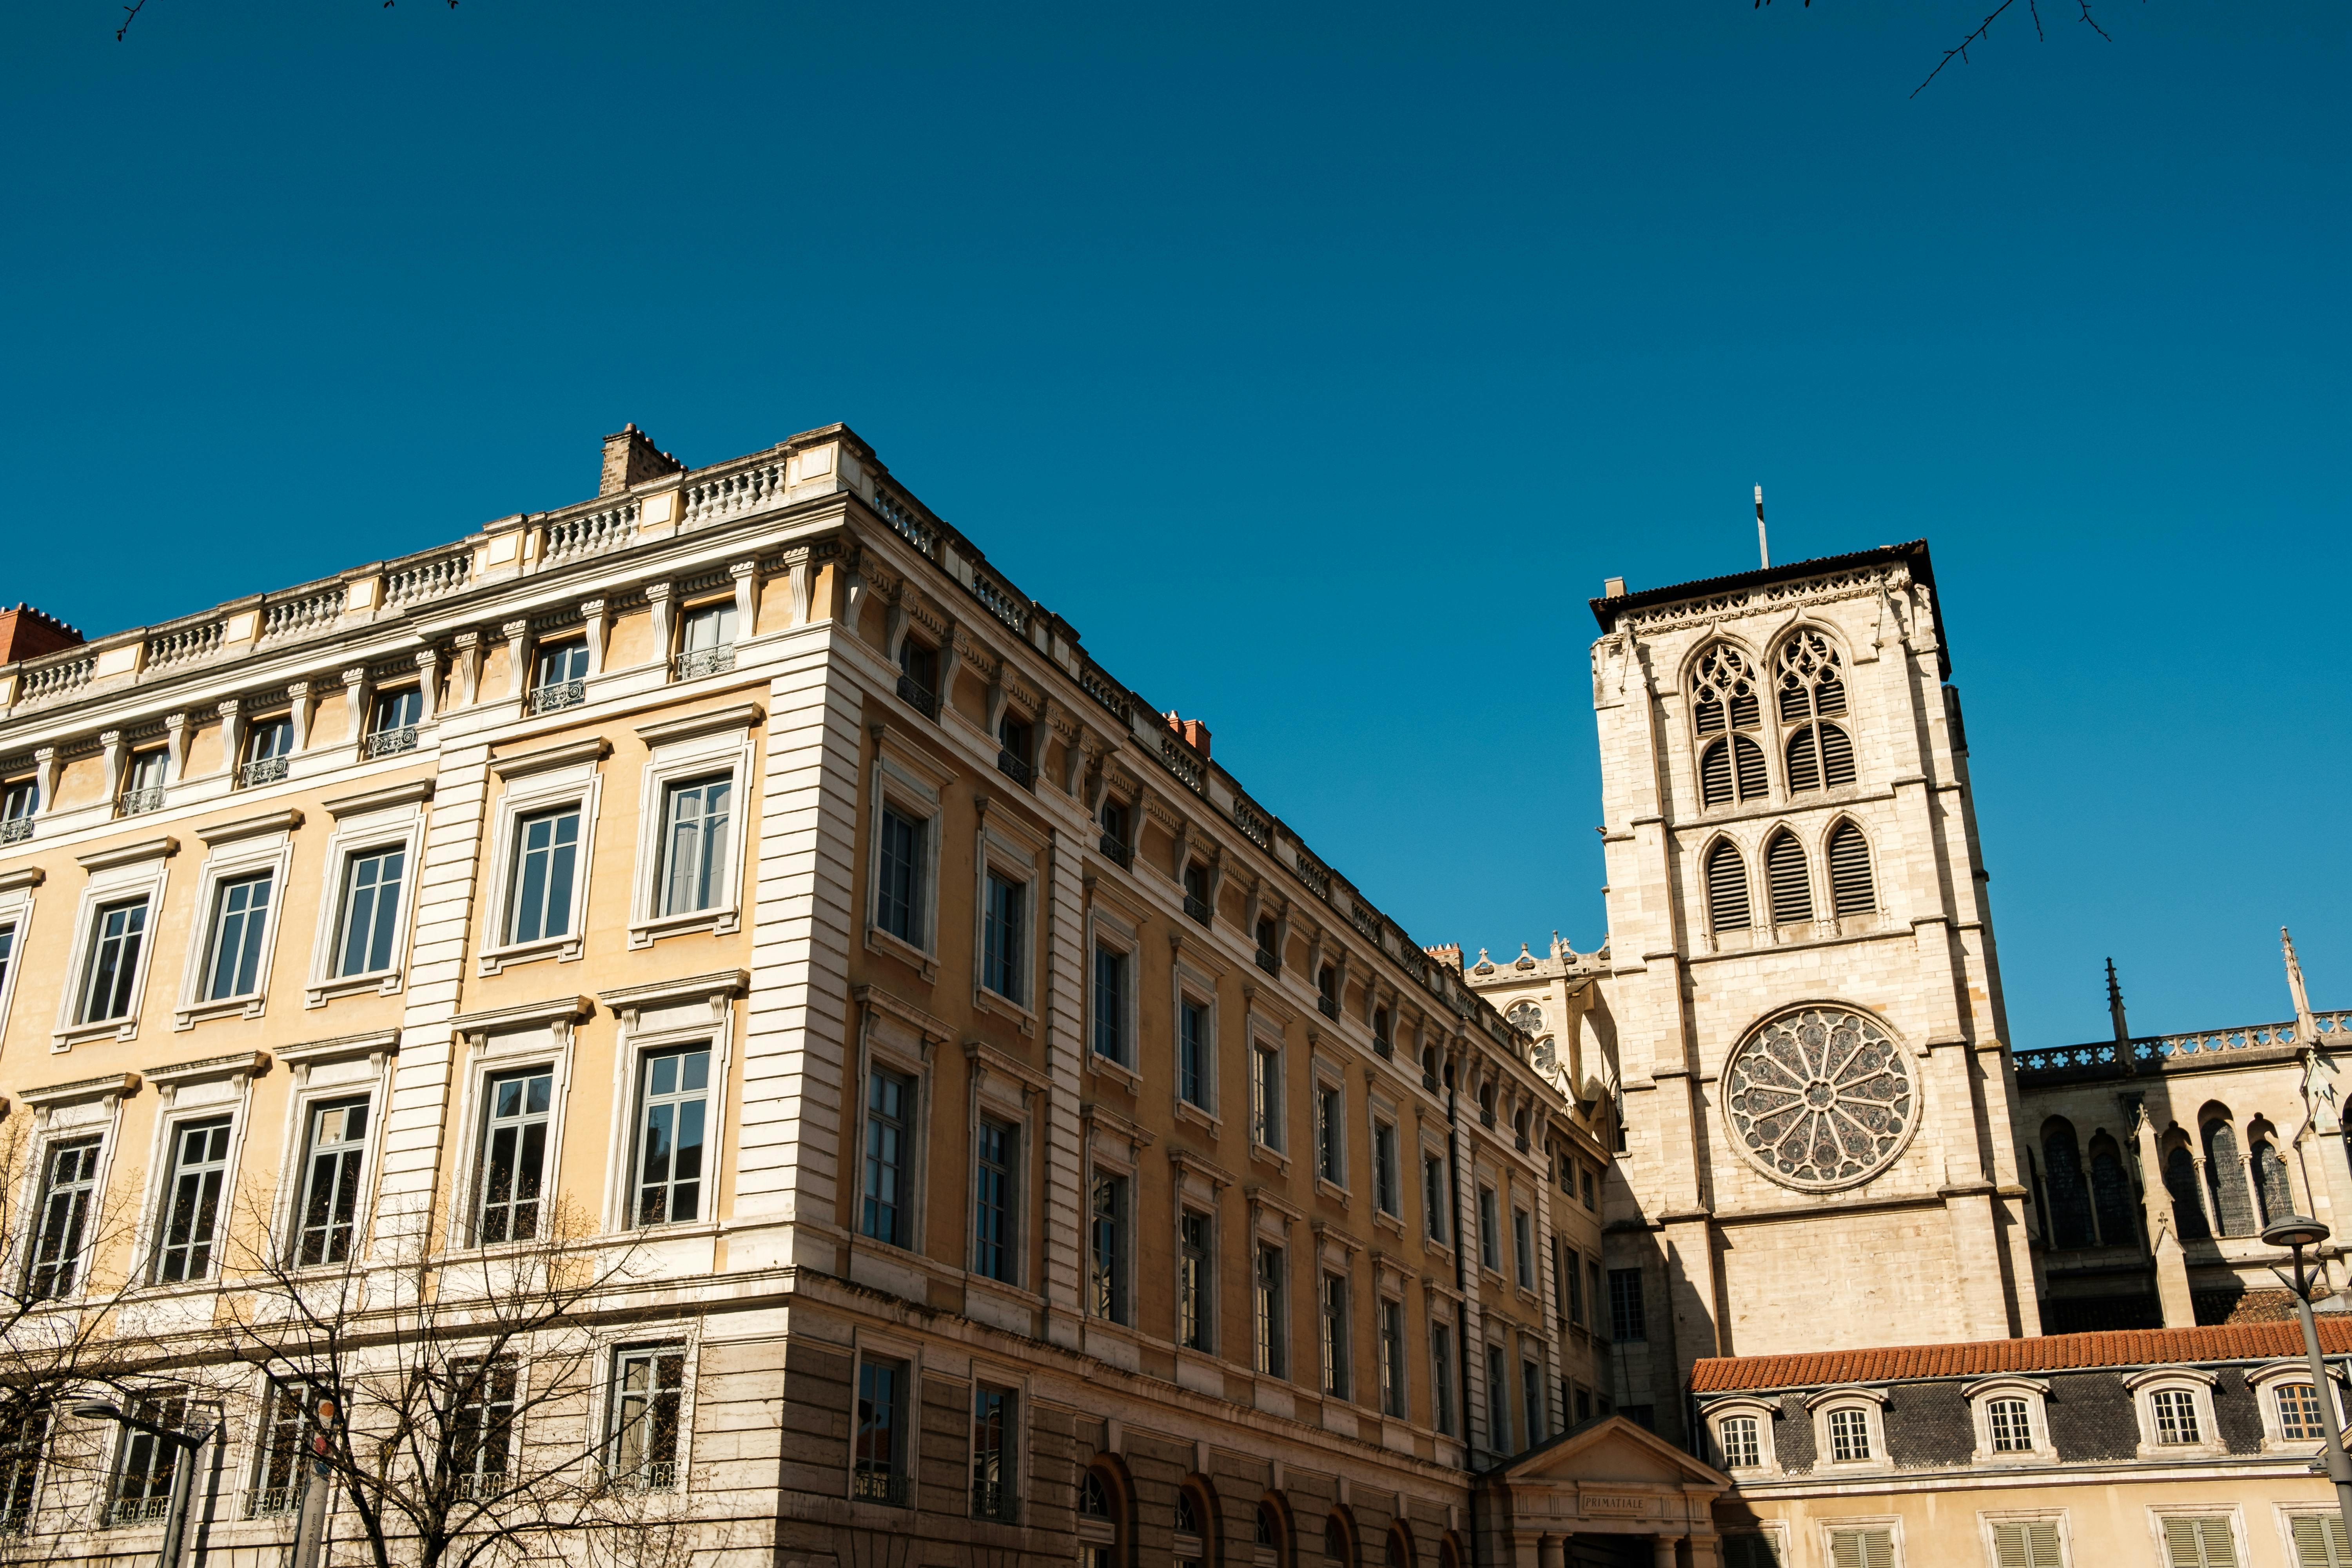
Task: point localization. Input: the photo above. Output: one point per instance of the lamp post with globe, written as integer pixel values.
(2295, 1233)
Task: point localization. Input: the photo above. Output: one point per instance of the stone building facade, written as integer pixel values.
(1034, 1149)
(1802, 979)
(2181, 1447)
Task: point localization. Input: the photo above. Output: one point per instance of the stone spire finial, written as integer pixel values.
(2306, 1031)
(2115, 1004)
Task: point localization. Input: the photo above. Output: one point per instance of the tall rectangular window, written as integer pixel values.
(648, 1396)
(1392, 1357)
(1441, 1375)
(673, 1099)
(1385, 1167)
(898, 899)
(1269, 1313)
(1532, 1399)
(993, 1433)
(118, 933)
(514, 1155)
(1575, 1273)
(706, 629)
(233, 952)
(1627, 1322)
(694, 826)
(192, 1205)
(396, 714)
(142, 782)
(1335, 1355)
(280, 1478)
(559, 678)
(69, 1181)
(22, 1438)
(1330, 1118)
(19, 799)
(1195, 1280)
(1523, 1246)
(1193, 1052)
(993, 1253)
(1107, 1248)
(1737, 1438)
(1594, 1291)
(890, 1119)
(2011, 1422)
(371, 910)
(2176, 1417)
(1499, 1402)
(267, 746)
(331, 1182)
(481, 1424)
(877, 1460)
(1849, 1436)
(918, 676)
(546, 852)
(1436, 1196)
(1266, 1096)
(142, 1482)
(1490, 1243)
(1110, 1004)
(7, 954)
(1001, 961)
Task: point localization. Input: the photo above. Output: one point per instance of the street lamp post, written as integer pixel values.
(2295, 1232)
(175, 1517)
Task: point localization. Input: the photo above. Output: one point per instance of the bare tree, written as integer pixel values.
(449, 1399)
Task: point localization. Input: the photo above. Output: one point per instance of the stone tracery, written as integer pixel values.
(1821, 1097)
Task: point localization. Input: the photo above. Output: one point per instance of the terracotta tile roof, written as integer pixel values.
(2054, 1352)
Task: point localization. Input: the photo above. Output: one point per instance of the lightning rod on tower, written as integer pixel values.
(1762, 549)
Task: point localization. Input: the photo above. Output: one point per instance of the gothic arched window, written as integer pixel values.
(2111, 1194)
(2188, 1208)
(1851, 892)
(1726, 887)
(1811, 688)
(1724, 703)
(2070, 1197)
(1526, 1015)
(2270, 1189)
(1792, 885)
(2225, 1174)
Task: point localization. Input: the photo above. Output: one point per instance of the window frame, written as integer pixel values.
(1870, 1404)
(719, 745)
(110, 885)
(1270, 1311)
(99, 1136)
(637, 1055)
(1334, 1336)
(907, 1424)
(545, 1043)
(1763, 1412)
(1002, 857)
(1393, 1342)
(1490, 1226)
(2198, 1384)
(2230, 1513)
(2034, 1393)
(615, 1357)
(533, 792)
(1436, 1218)
(2265, 1381)
(359, 835)
(1990, 1520)
(290, 1224)
(1386, 1159)
(1195, 990)
(1004, 1092)
(1119, 1278)
(230, 860)
(227, 1116)
(16, 899)
(1269, 1091)
(1331, 1129)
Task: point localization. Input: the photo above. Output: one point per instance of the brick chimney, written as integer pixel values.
(631, 458)
(27, 633)
(1195, 733)
(1448, 954)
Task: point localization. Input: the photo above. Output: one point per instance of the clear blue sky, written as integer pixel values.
(1318, 362)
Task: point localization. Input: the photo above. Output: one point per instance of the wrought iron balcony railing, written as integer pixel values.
(917, 696)
(558, 694)
(1117, 851)
(139, 1509)
(1014, 768)
(888, 1487)
(261, 771)
(994, 1500)
(1268, 962)
(1197, 907)
(134, 801)
(15, 830)
(393, 741)
(704, 661)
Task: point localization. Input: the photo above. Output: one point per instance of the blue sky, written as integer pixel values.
(1316, 361)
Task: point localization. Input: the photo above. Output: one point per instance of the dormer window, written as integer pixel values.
(1848, 1426)
(560, 679)
(2011, 1428)
(2294, 1420)
(1742, 1428)
(2176, 1411)
(918, 677)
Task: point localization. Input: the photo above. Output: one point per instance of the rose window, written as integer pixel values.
(1821, 1097)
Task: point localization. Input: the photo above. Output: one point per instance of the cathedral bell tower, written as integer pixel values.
(1818, 1145)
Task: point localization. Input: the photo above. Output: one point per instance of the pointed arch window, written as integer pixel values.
(1851, 892)
(2112, 1199)
(1725, 704)
(2270, 1182)
(2069, 1194)
(1810, 683)
(1726, 887)
(1791, 884)
(2225, 1174)
(2188, 1208)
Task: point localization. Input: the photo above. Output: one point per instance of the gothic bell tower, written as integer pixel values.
(1818, 1144)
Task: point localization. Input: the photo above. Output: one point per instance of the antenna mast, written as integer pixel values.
(1762, 549)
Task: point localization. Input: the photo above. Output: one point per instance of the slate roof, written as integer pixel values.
(2054, 1352)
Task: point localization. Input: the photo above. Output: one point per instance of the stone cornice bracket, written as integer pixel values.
(630, 1002)
(558, 1012)
(875, 999)
(466, 666)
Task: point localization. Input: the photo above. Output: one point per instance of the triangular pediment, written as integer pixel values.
(1610, 1452)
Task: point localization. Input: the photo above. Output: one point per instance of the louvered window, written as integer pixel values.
(1784, 869)
(1819, 754)
(2026, 1543)
(1850, 887)
(1726, 888)
(1731, 770)
(1724, 687)
(1862, 1549)
(2320, 1541)
(2204, 1542)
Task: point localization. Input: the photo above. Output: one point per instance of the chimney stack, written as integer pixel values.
(29, 632)
(1195, 733)
(631, 458)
